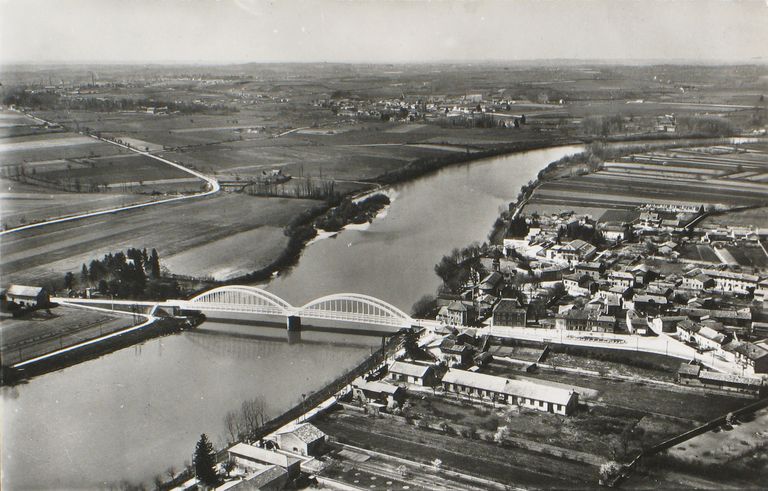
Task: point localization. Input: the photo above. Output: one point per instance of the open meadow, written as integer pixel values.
(43, 255)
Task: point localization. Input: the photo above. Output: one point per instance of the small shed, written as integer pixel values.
(305, 439)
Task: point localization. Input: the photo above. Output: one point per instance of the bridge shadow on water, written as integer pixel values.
(272, 333)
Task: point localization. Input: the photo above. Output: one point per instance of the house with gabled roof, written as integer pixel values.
(305, 439)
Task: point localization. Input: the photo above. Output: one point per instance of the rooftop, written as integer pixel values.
(410, 369)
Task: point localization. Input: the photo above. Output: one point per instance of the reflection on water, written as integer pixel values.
(133, 413)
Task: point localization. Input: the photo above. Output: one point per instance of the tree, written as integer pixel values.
(154, 264)
(84, 275)
(424, 306)
(205, 462)
(69, 280)
(232, 423)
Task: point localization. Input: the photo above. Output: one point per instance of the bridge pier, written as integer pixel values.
(293, 322)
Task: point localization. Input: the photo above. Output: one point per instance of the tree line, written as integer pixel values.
(135, 273)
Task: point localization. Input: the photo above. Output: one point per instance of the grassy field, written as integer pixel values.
(706, 175)
(39, 332)
(487, 460)
(41, 255)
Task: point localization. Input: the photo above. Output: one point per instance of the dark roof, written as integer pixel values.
(507, 305)
(689, 369)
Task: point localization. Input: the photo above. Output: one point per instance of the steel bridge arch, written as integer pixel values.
(246, 298)
(354, 307)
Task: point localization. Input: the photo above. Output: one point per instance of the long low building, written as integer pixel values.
(522, 392)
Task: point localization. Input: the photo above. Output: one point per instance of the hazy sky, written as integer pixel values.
(224, 31)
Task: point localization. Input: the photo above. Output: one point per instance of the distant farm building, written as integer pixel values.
(27, 296)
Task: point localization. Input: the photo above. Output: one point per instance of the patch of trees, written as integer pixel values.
(423, 166)
(350, 212)
(23, 97)
(133, 274)
(245, 421)
(587, 233)
(603, 125)
(424, 307)
(518, 227)
(705, 126)
(460, 267)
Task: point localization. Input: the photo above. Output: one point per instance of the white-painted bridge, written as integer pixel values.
(345, 307)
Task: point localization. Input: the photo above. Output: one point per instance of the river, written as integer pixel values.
(134, 413)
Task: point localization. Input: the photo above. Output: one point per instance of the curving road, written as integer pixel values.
(213, 188)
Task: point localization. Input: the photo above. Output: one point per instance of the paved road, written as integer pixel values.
(213, 188)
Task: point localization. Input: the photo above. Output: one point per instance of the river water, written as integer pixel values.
(132, 414)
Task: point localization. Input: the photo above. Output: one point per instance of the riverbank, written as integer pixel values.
(20, 373)
(301, 230)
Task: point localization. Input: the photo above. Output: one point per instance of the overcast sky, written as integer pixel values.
(227, 31)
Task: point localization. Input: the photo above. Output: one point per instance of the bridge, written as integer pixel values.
(344, 307)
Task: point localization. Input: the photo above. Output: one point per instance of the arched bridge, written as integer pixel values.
(346, 307)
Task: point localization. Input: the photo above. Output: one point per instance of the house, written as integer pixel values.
(412, 373)
(267, 478)
(572, 320)
(490, 283)
(305, 439)
(252, 457)
(709, 339)
(650, 304)
(752, 356)
(697, 281)
(453, 353)
(761, 292)
(594, 269)
(508, 312)
(727, 281)
(686, 329)
(379, 394)
(666, 323)
(524, 392)
(571, 253)
(457, 313)
(621, 279)
(579, 285)
(27, 296)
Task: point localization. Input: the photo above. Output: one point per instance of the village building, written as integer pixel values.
(305, 439)
(594, 269)
(457, 313)
(691, 374)
(621, 279)
(753, 357)
(508, 312)
(27, 296)
(727, 281)
(528, 393)
(571, 253)
(412, 373)
(378, 395)
(251, 457)
(453, 352)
